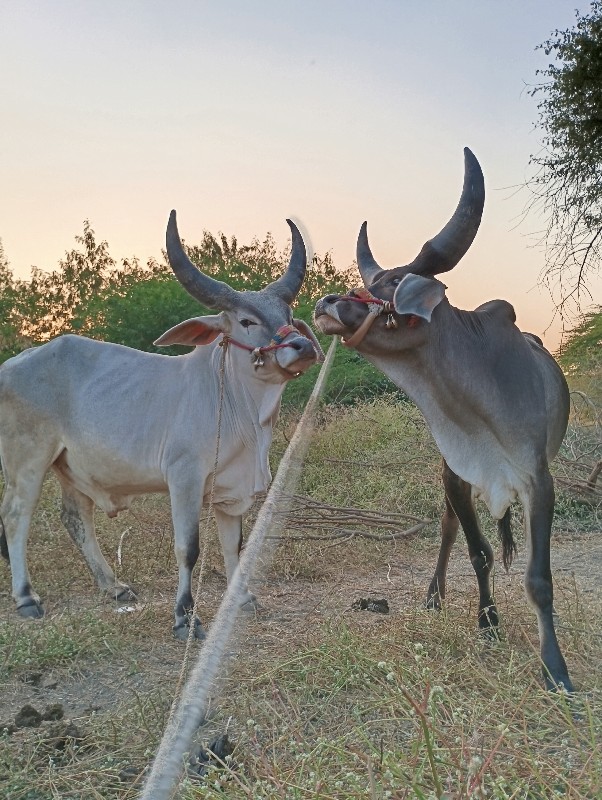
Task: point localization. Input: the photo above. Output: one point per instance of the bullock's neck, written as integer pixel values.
(241, 380)
(435, 375)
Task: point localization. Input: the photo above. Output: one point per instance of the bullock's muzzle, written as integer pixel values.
(376, 307)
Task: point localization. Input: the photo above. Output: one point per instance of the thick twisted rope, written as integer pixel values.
(191, 710)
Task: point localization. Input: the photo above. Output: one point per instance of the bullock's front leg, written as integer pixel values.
(230, 536)
(459, 496)
(185, 511)
(77, 515)
(539, 512)
(18, 504)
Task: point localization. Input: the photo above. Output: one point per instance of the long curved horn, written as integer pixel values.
(443, 251)
(208, 291)
(369, 269)
(288, 284)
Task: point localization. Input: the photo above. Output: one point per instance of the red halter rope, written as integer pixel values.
(376, 307)
(364, 296)
(275, 344)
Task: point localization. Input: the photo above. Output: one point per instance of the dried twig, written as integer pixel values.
(351, 534)
(593, 476)
(307, 514)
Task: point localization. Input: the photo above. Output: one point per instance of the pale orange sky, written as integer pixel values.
(240, 114)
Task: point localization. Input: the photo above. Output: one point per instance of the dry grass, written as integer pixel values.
(321, 701)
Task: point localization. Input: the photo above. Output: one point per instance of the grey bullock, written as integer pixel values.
(112, 423)
(495, 400)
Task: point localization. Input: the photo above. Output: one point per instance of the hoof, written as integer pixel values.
(123, 594)
(489, 620)
(248, 600)
(561, 684)
(250, 607)
(489, 634)
(181, 630)
(31, 609)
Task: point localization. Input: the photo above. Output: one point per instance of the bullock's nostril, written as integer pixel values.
(303, 346)
(331, 298)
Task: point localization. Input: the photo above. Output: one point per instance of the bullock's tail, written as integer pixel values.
(504, 528)
(3, 542)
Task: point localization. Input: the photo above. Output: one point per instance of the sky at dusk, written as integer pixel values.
(240, 114)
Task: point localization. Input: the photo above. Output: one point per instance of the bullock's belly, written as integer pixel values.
(111, 485)
(496, 480)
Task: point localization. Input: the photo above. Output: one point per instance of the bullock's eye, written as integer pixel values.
(246, 323)
(395, 281)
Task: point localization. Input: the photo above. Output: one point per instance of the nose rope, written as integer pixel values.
(276, 343)
(376, 307)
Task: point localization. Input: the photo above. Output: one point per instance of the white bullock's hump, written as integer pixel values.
(71, 349)
(74, 380)
(77, 357)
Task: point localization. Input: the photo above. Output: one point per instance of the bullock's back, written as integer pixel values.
(556, 394)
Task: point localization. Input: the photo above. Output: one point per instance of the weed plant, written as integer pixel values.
(321, 701)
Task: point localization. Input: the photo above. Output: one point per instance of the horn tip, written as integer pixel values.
(469, 157)
(172, 223)
(172, 235)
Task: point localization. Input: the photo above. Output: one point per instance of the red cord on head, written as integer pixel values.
(363, 296)
(275, 344)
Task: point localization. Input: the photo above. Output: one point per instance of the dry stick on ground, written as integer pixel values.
(593, 476)
(585, 488)
(308, 514)
(379, 465)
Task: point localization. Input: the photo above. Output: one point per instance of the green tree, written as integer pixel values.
(57, 302)
(12, 339)
(136, 306)
(581, 355)
(567, 177)
(130, 304)
(140, 309)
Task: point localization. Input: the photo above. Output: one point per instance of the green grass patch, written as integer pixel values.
(421, 710)
(320, 701)
(62, 640)
(351, 380)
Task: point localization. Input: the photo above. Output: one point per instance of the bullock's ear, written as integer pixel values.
(418, 296)
(306, 331)
(195, 331)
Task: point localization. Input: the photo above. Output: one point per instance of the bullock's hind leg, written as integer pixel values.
(18, 504)
(230, 535)
(459, 497)
(77, 515)
(449, 532)
(539, 512)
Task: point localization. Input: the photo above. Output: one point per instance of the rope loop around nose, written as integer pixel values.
(363, 295)
(276, 342)
(376, 307)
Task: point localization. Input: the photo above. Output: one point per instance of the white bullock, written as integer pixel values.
(113, 423)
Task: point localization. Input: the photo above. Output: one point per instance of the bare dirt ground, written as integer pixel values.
(289, 607)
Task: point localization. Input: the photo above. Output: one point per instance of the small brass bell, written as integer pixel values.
(256, 357)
